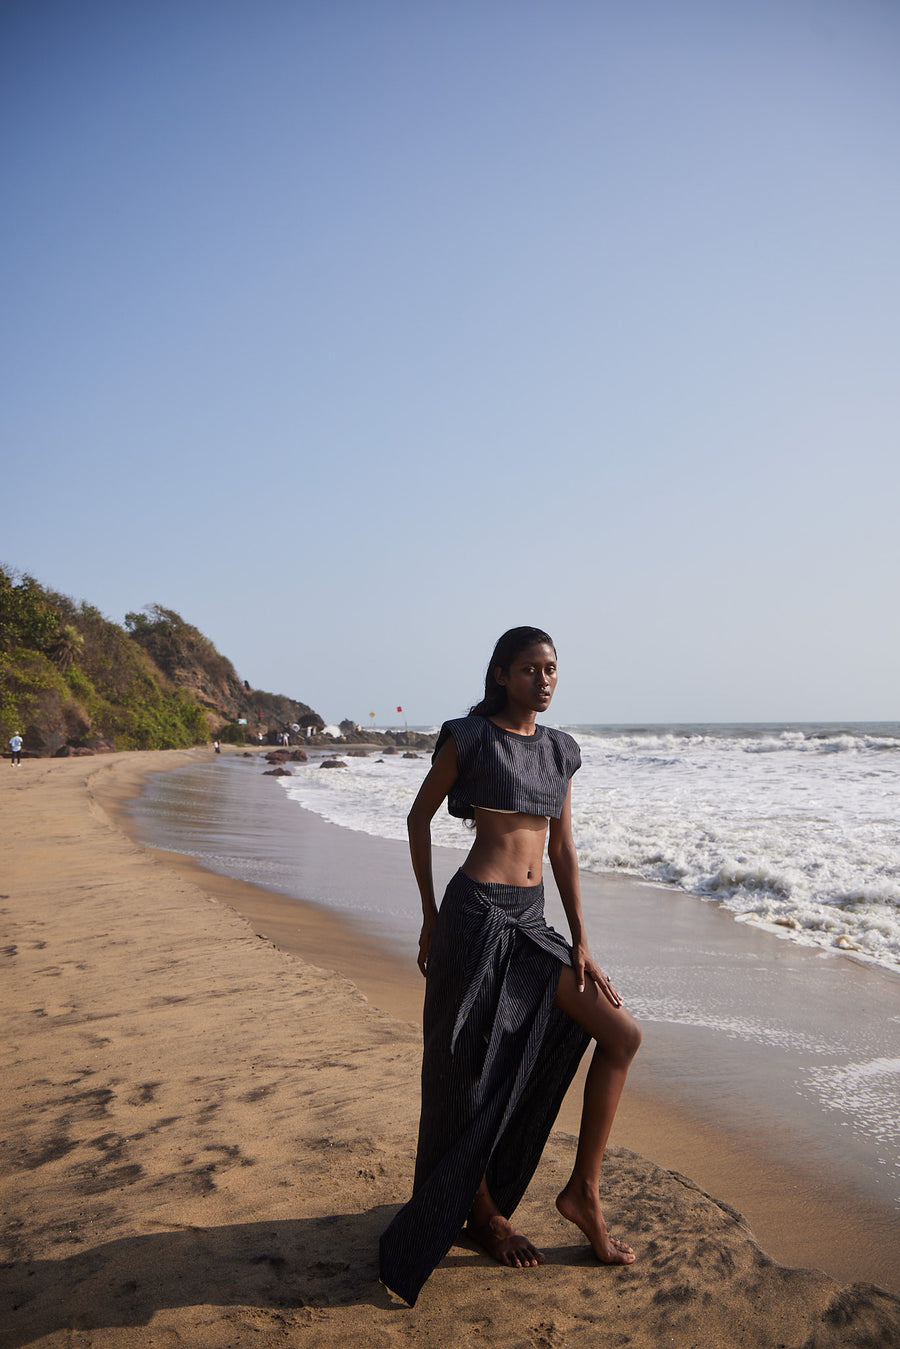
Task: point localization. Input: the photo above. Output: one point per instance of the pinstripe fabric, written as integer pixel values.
(498, 1058)
(501, 770)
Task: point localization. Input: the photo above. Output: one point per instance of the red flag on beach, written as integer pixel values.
(399, 709)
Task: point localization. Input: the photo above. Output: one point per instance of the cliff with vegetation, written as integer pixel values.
(73, 681)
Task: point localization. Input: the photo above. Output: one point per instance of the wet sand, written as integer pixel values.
(205, 1133)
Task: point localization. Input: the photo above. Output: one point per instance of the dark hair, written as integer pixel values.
(505, 652)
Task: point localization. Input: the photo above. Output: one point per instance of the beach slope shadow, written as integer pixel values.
(312, 1262)
(259, 1282)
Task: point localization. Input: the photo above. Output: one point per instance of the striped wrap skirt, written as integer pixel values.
(498, 1058)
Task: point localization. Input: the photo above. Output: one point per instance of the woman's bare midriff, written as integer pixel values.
(508, 849)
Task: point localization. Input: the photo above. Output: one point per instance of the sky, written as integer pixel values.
(358, 332)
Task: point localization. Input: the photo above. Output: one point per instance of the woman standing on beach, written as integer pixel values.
(510, 1006)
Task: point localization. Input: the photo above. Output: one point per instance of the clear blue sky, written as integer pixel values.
(360, 331)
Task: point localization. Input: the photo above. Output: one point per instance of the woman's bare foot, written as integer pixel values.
(581, 1206)
(496, 1235)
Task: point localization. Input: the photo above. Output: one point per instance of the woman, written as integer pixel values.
(509, 1006)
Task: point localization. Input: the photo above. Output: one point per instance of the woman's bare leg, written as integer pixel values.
(617, 1037)
(497, 1235)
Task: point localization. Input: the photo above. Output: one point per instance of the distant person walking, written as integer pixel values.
(216, 746)
(15, 744)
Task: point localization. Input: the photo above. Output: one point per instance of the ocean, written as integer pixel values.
(794, 828)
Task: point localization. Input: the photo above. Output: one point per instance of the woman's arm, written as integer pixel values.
(564, 863)
(437, 784)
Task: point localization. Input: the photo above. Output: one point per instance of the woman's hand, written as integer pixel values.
(564, 861)
(585, 966)
(425, 942)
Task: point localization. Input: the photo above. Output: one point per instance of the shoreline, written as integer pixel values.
(800, 1212)
(205, 1135)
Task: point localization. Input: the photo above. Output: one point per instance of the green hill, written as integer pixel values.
(71, 678)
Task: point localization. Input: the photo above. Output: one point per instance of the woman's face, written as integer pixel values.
(530, 681)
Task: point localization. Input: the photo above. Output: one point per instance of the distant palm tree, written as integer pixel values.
(67, 646)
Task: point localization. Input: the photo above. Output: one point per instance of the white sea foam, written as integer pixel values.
(793, 828)
(867, 1093)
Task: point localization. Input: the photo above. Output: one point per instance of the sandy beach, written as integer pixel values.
(208, 1118)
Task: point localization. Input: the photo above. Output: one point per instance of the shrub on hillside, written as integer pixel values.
(170, 722)
(233, 734)
(28, 618)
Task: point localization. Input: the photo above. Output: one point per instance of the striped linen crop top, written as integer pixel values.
(503, 771)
